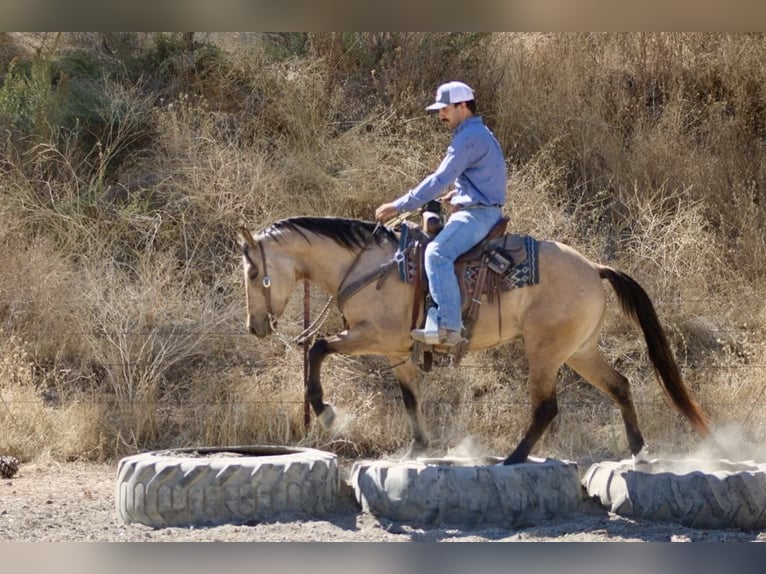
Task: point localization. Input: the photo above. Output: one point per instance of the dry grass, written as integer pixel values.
(120, 291)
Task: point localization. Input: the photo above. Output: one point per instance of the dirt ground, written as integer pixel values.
(75, 502)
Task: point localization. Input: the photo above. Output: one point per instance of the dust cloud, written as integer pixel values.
(727, 450)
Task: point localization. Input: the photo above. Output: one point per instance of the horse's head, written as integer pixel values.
(269, 280)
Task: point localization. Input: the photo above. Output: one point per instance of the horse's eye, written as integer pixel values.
(252, 270)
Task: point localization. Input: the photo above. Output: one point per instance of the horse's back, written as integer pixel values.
(570, 288)
(568, 275)
(562, 262)
(568, 298)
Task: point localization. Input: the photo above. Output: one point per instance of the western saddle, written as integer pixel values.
(480, 271)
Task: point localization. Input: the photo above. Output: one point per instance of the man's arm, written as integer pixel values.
(453, 164)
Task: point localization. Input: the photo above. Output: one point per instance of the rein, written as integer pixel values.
(345, 292)
(380, 274)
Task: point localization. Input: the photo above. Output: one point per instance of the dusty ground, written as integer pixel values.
(75, 502)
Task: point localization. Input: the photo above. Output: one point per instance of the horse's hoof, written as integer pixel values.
(641, 457)
(513, 458)
(416, 449)
(327, 418)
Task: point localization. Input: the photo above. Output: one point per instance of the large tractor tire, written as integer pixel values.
(712, 494)
(220, 485)
(464, 493)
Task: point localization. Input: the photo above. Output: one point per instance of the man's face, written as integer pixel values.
(452, 114)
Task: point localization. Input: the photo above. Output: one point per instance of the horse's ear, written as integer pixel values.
(246, 237)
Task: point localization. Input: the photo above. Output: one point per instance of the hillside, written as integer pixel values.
(129, 160)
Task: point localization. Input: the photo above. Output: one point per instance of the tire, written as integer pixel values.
(460, 492)
(220, 485)
(701, 494)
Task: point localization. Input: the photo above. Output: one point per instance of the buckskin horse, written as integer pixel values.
(559, 318)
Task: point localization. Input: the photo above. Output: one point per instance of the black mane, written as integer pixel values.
(350, 233)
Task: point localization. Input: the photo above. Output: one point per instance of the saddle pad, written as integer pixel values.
(526, 272)
(523, 273)
(522, 248)
(411, 242)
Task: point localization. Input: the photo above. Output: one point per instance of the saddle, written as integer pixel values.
(498, 263)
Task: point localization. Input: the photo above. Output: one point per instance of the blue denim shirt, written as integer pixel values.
(474, 162)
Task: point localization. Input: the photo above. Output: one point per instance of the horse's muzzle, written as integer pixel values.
(260, 328)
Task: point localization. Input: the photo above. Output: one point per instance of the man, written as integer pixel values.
(475, 163)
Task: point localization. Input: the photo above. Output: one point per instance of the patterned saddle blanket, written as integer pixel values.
(520, 250)
(512, 259)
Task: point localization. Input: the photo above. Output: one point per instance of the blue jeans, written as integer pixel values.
(464, 229)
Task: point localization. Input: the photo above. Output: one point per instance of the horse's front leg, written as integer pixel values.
(314, 394)
(350, 342)
(408, 375)
(361, 340)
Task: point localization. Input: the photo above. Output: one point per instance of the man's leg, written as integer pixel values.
(464, 229)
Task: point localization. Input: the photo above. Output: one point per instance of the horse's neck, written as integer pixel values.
(324, 263)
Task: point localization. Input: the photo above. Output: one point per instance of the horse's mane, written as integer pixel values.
(350, 233)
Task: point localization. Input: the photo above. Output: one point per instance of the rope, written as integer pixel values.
(382, 370)
(312, 329)
(391, 223)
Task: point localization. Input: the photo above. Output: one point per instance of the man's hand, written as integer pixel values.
(445, 199)
(385, 212)
(447, 207)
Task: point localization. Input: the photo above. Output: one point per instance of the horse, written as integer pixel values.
(559, 319)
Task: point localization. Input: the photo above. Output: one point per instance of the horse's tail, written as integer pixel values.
(635, 303)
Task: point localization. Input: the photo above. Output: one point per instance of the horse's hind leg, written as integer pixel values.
(542, 391)
(592, 366)
(409, 383)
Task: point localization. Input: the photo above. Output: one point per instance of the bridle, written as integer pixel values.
(345, 291)
(265, 283)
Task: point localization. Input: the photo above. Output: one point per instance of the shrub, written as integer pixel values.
(128, 161)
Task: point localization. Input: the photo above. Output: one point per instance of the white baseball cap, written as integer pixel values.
(451, 93)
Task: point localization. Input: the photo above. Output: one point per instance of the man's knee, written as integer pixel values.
(434, 252)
